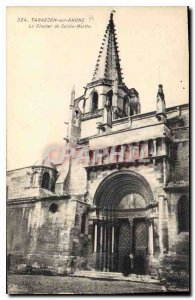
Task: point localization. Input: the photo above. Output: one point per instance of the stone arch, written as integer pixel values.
(118, 185)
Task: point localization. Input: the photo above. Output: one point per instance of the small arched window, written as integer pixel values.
(45, 180)
(94, 105)
(109, 99)
(183, 214)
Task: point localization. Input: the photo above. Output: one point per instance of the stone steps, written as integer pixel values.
(116, 276)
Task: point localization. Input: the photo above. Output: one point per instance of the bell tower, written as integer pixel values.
(107, 98)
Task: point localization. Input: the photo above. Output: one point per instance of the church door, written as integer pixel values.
(140, 245)
(124, 243)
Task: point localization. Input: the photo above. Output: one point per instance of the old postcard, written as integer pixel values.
(97, 150)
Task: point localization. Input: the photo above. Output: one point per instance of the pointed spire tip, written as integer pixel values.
(111, 14)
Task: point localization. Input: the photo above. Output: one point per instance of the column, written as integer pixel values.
(163, 224)
(131, 233)
(131, 246)
(166, 226)
(164, 146)
(91, 235)
(112, 247)
(151, 237)
(101, 237)
(104, 246)
(108, 245)
(112, 239)
(101, 245)
(160, 216)
(95, 239)
(164, 171)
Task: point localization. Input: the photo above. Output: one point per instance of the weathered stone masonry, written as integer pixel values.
(91, 214)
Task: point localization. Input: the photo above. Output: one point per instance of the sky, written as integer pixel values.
(43, 64)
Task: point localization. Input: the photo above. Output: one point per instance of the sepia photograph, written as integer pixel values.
(97, 179)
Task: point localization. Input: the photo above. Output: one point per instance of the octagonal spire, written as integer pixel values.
(108, 62)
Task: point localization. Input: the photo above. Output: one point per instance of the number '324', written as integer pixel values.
(22, 20)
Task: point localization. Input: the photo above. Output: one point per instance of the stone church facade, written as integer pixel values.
(129, 196)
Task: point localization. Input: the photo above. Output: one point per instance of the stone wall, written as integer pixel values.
(174, 268)
(41, 240)
(38, 238)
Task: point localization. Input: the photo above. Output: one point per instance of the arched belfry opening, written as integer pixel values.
(126, 105)
(122, 227)
(109, 96)
(94, 101)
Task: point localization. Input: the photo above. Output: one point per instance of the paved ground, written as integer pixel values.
(36, 284)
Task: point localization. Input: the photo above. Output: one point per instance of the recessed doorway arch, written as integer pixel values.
(121, 227)
(118, 185)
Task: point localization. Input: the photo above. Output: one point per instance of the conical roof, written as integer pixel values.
(108, 62)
